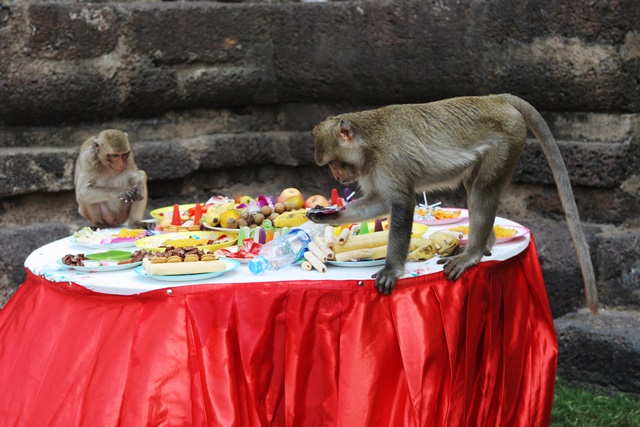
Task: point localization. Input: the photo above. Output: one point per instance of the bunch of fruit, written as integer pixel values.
(287, 210)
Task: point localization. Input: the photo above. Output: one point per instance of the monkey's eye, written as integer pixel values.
(123, 156)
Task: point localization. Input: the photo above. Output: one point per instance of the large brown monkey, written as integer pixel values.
(395, 151)
(110, 189)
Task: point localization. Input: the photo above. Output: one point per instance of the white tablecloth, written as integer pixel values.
(43, 261)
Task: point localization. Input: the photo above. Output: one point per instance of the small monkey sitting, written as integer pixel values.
(395, 151)
(110, 189)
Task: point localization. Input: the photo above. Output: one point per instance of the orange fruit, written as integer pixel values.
(229, 219)
(296, 201)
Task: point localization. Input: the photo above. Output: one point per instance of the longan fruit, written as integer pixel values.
(274, 215)
(279, 207)
(243, 222)
(258, 218)
(288, 206)
(266, 210)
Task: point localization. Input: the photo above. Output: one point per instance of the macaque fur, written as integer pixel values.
(395, 151)
(110, 189)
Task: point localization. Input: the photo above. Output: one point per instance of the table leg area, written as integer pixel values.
(478, 351)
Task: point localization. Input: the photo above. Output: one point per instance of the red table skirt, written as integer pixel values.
(480, 351)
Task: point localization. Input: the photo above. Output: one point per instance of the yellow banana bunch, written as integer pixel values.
(214, 212)
(424, 252)
(446, 244)
(292, 218)
(439, 243)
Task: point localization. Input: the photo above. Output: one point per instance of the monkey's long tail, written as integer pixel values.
(541, 130)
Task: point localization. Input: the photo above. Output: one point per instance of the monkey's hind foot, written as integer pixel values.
(456, 265)
(386, 280)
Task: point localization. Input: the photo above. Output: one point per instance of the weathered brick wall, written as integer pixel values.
(220, 97)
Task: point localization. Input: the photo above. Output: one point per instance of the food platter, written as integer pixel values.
(464, 215)
(231, 265)
(224, 230)
(416, 231)
(520, 232)
(100, 268)
(128, 243)
(167, 212)
(154, 243)
(357, 264)
(93, 239)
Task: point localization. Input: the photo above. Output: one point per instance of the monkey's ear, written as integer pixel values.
(347, 132)
(96, 142)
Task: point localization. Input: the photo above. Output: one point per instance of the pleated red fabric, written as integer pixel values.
(480, 351)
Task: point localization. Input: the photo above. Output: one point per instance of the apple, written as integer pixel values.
(315, 200)
(243, 199)
(288, 192)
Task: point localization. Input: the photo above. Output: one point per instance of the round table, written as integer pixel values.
(283, 348)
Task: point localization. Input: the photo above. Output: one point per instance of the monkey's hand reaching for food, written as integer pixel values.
(323, 217)
(131, 195)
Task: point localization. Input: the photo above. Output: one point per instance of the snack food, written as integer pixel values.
(180, 261)
(501, 232)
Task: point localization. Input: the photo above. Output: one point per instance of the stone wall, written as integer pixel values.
(220, 98)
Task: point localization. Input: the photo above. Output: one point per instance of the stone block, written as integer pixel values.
(603, 350)
(36, 169)
(559, 263)
(202, 33)
(151, 92)
(72, 32)
(599, 165)
(618, 266)
(389, 52)
(218, 86)
(20, 242)
(598, 205)
(176, 159)
(37, 97)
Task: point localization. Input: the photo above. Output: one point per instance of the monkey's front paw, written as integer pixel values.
(386, 279)
(131, 195)
(322, 218)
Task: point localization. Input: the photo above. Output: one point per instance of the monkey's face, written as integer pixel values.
(113, 149)
(343, 172)
(335, 146)
(118, 161)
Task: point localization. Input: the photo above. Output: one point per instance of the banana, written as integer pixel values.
(424, 252)
(446, 244)
(213, 213)
(292, 218)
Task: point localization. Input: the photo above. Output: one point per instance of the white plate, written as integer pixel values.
(104, 245)
(464, 214)
(226, 230)
(520, 232)
(101, 268)
(357, 264)
(232, 264)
